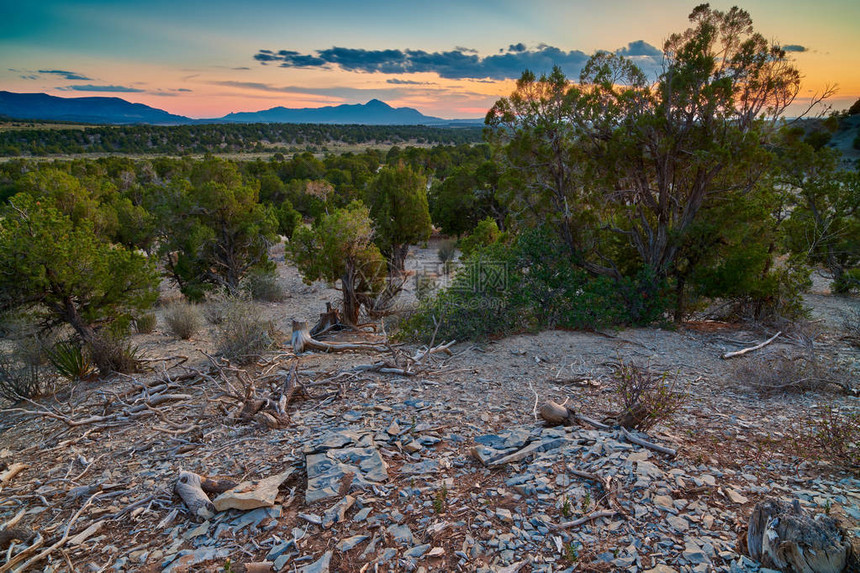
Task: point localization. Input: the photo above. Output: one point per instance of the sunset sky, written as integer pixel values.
(446, 58)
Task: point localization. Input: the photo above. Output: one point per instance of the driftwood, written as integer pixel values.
(11, 472)
(13, 562)
(188, 486)
(646, 444)
(302, 341)
(556, 414)
(728, 355)
(782, 536)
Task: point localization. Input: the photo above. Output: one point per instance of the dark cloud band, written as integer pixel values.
(457, 64)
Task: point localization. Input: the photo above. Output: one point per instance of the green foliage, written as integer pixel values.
(288, 218)
(213, 229)
(66, 272)
(529, 285)
(823, 227)
(484, 234)
(340, 247)
(397, 198)
(71, 360)
(183, 320)
(622, 169)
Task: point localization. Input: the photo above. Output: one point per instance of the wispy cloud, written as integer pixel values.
(74, 76)
(795, 48)
(92, 88)
(400, 82)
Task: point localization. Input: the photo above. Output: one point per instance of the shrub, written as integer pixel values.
(485, 233)
(530, 285)
(832, 435)
(145, 324)
(264, 286)
(215, 309)
(648, 398)
(244, 334)
(112, 354)
(779, 373)
(71, 360)
(851, 325)
(446, 252)
(183, 320)
(19, 379)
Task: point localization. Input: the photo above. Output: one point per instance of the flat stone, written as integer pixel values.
(337, 513)
(418, 551)
(345, 545)
(736, 496)
(401, 533)
(648, 470)
(252, 494)
(255, 517)
(662, 569)
(319, 566)
(505, 515)
(328, 470)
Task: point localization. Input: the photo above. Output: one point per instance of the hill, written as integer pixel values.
(84, 109)
(113, 110)
(374, 112)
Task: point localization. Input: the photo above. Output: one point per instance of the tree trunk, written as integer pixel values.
(351, 304)
(398, 259)
(680, 299)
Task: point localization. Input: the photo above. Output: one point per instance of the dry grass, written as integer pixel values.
(183, 320)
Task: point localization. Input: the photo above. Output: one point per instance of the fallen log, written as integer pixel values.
(736, 353)
(780, 535)
(646, 444)
(302, 340)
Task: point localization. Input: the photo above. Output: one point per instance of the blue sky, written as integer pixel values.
(446, 58)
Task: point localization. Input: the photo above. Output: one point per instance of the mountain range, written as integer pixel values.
(113, 110)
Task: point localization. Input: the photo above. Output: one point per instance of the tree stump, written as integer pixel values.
(188, 486)
(782, 536)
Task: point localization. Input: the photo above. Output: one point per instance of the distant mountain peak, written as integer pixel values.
(377, 104)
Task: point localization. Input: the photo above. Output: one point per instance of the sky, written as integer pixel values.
(446, 58)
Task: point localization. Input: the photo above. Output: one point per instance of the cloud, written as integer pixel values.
(454, 64)
(399, 82)
(517, 47)
(639, 48)
(67, 75)
(92, 88)
(795, 48)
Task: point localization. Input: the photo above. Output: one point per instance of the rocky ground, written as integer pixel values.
(446, 470)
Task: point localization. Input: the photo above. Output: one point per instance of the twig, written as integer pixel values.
(585, 519)
(728, 355)
(8, 566)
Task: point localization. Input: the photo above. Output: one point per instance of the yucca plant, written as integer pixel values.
(71, 361)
